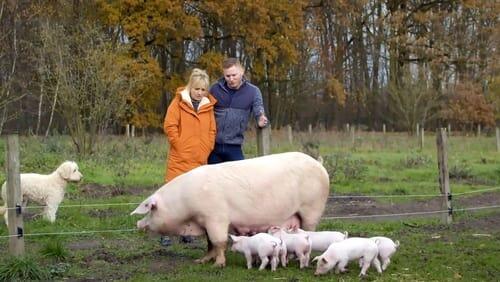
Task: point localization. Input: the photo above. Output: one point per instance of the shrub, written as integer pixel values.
(416, 160)
(54, 249)
(460, 171)
(22, 269)
(311, 149)
(342, 166)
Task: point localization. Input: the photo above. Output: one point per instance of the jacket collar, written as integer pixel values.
(187, 99)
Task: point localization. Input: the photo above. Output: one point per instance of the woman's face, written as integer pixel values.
(198, 91)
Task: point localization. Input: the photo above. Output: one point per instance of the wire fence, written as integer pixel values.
(99, 205)
(323, 218)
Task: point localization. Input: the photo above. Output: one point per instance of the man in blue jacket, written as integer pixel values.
(236, 98)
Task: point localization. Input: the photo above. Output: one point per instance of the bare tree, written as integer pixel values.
(412, 101)
(8, 60)
(85, 80)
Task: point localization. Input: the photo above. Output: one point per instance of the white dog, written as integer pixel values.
(44, 189)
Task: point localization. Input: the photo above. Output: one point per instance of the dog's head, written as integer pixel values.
(69, 171)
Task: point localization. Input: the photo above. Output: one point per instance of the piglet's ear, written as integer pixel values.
(234, 238)
(146, 206)
(274, 229)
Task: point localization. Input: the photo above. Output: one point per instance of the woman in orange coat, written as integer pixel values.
(190, 126)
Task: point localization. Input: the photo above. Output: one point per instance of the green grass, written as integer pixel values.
(429, 251)
(22, 269)
(128, 170)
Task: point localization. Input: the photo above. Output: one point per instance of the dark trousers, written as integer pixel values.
(225, 153)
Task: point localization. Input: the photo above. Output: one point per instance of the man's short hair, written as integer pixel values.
(230, 62)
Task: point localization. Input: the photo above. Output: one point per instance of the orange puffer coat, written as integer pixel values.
(191, 134)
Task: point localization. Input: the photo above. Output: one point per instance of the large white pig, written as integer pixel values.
(253, 194)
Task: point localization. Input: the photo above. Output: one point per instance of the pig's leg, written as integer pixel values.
(376, 263)
(283, 257)
(310, 218)
(341, 266)
(274, 263)
(217, 233)
(385, 263)
(308, 257)
(210, 252)
(249, 258)
(263, 264)
(301, 258)
(364, 268)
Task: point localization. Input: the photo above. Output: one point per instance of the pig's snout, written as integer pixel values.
(141, 225)
(319, 272)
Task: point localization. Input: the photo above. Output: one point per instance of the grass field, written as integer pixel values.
(125, 171)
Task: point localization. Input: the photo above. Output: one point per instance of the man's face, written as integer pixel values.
(233, 76)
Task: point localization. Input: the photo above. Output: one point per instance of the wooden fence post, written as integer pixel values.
(14, 199)
(384, 137)
(444, 177)
(353, 136)
(289, 134)
(478, 130)
(418, 129)
(449, 129)
(310, 129)
(422, 139)
(264, 140)
(498, 139)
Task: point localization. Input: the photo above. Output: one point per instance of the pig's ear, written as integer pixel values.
(234, 238)
(146, 206)
(320, 259)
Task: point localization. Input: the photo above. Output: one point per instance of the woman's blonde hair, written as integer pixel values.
(197, 77)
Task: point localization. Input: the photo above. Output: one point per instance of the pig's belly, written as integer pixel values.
(191, 229)
(251, 228)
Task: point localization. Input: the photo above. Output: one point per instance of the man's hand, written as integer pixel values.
(262, 121)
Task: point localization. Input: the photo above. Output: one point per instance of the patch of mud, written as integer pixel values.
(102, 254)
(481, 225)
(337, 207)
(84, 245)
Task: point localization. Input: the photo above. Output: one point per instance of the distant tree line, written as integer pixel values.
(87, 68)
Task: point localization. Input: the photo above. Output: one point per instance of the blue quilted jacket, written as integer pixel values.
(233, 109)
